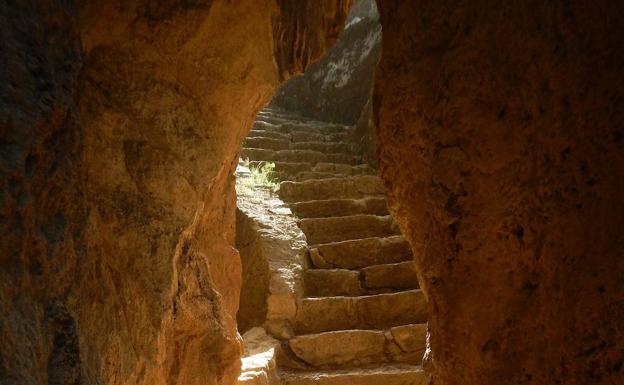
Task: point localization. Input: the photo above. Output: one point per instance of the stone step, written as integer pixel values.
(369, 280)
(356, 347)
(296, 156)
(334, 170)
(267, 134)
(285, 126)
(336, 229)
(325, 147)
(333, 188)
(344, 169)
(279, 114)
(305, 136)
(380, 375)
(339, 348)
(360, 253)
(295, 171)
(380, 311)
(309, 175)
(290, 168)
(276, 119)
(270, 143)
(267, 143)
(400, 275)
(317, 126)
(332, 282)
(340, 207)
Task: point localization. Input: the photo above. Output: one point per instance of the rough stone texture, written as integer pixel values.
(120, 123)
(410, 338)
(337, 87)
(304, 30)
(340, 347)
(501, 144)
(259, 366)
(386, 375)
(272, 250)
(255, 274)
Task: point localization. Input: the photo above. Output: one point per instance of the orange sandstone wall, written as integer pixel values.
(501, 143)
(120, 123)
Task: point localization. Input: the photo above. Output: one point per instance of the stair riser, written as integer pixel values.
(339, 208)
(278, 125)
(344, 349)
(372, 312)
(339, 188)
(296, 156)
(365, 252)
(336, 229)
(416, 377)
(371, 280)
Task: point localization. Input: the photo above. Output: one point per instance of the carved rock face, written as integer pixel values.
(337, 87)
(120, 126)
(500, 142)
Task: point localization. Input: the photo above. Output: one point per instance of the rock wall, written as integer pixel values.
(337, 87)
(500, 135)
(120, 124)
(304, 30)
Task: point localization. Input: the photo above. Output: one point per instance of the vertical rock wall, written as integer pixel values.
(337, 87)
(501, 144)
(120, 123)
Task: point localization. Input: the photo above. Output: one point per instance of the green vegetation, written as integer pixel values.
(261, 177)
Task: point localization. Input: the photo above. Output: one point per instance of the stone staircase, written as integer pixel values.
(362, 318)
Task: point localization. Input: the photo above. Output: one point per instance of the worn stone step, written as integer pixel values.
(295, 171)
(400, 275)
(315, 126)
(380, 311)
(334, 170)
(344, 348)
(333, 188)
(277, 119)
(308, 175)
(360, 253)
(325, 147)
(296, 156)
(332, 282)
(280, 114)
(345, 169)
(291, 168)
(306, 136)
(380, 375)
(336, 229)
(340, 207)
(267, 143)
(280, 125)
(267, 134)
(410, 338)
(338, 348)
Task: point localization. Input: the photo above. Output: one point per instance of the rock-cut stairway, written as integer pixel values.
(361, 320)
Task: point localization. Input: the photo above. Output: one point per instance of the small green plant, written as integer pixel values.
(261, 176)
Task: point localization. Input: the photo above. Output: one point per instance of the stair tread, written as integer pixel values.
(377, 311)
(353, 187)
(398, 374)
(335, 229)
(340, 348)
(360, 253)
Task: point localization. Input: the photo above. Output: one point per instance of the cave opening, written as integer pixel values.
(329, 284)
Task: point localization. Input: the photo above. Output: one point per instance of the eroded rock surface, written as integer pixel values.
(337, 87)
(500, 135)
(120, 125)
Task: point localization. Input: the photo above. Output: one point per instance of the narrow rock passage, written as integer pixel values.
(362, 318)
